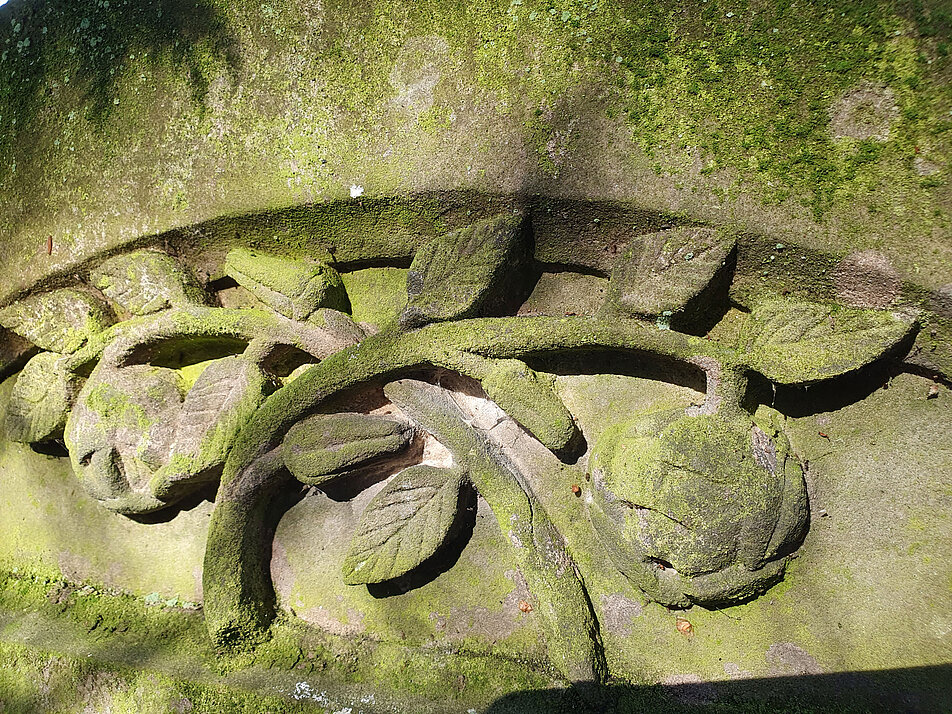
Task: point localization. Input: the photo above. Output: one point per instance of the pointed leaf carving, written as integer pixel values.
(58, 321)
(321, 447)
(41, 399)
(222, 399)
(792, 342)
(145, 281)
(453, 276)
(404, 524)
(294, 288)
(530, 400)
(663, 271)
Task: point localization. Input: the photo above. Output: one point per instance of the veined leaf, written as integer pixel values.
(452, 276)
(145, 281)
(58, 321)
(404, 524)
(663, 271)
(321, 447)
(792, 342)
(42, 397)
(532, 402)
(222, 399)
(294, 288)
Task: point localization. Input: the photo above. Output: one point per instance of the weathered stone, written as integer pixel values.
(145, 281)
(59, 321)
(295, 288)
(404, 524)
(694, 497)
(459, 274)
(662, 272)
(325, 445)
(529, 399)
(793, 342)
(121, 431)
(216, 407)
(41, 399)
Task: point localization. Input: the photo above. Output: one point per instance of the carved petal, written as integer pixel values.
(528, 399)
(294, 288)
(404, 524)
(41, 399)
(216, 407)
(664, 270)
(452, 276)
(319, 448)
(145, 282)
(793, 342)
(59, 321)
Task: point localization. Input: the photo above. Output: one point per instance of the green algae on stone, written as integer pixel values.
(218, 404)
(325, 445)
(146, 281)
(42, 397)
(295, 288)
(58, 321)
(463, 272)
(792, 342)
(377, 295)
(662, 272)
(404, 524)
(529, 398)
(691, 505)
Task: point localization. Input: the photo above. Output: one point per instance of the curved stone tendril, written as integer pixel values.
(462, 347)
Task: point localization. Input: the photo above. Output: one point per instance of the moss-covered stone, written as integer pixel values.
(325, 445)
(294, 288)
(701, 504)
(41, 400)
(60, 321)
(145, 281)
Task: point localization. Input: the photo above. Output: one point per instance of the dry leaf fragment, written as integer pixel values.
(684, 627)
(933, 392)
(524, 606)
(576, 489)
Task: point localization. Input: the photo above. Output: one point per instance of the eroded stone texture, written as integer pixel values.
(662, 272)
(146, 281)
(59, 321)
(294, 288)
(41, 399)
(323, 446)
(451, 276)
(706, 502)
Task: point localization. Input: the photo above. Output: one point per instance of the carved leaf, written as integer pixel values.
(798, 342)
(41, 399)
(294, 288)
(528, 399)
(222, 399)
(663, 271)
(321, 447)
(145, 282)
(404, 524)
(59, 321)
(452, 276)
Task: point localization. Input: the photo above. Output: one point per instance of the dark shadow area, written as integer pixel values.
(350, 483)
(54, 447)
(630, 363)
(827, 396)
(709, 306)
(205, 494)
(909, 690)
(443, 559)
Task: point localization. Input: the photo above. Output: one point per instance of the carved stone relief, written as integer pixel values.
(157, 390)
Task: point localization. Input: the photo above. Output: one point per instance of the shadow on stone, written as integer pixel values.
(913, 689)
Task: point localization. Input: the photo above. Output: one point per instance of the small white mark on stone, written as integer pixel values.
(356, 191)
